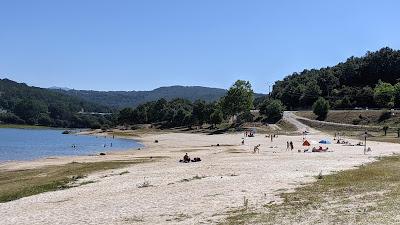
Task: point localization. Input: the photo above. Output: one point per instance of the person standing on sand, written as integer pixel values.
(291, 146)
(271, 137)
(287, 146)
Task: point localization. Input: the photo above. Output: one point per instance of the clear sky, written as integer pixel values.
(141, 45)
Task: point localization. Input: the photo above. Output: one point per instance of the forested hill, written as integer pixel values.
(121, 99)
(347, 85)
(20, 103)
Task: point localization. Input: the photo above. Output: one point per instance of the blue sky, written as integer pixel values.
(141, 45)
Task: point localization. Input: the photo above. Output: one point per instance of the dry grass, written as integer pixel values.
(375, 134)
(366, 195)
(22, 183)
(357, 117)
(286, 127)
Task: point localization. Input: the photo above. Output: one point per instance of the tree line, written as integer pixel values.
(236, 104)
(368, 81)
(22, 104)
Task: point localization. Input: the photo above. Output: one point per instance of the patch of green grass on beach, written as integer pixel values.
(22, 183)
(21, 126)
(367, 195)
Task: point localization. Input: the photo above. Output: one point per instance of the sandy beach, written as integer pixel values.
(186, 193)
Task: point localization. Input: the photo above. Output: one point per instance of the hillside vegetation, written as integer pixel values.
(122, 99)
(22, 104)
(368, 81)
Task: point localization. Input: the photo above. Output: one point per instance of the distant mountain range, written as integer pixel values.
(120, 99)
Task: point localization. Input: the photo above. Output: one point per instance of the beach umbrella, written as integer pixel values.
(324, 141)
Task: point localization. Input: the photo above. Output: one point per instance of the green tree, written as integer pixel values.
(384, 94)
(140, 114)
(238, 99)
(216, 117)
(397, 94)
(321, 108)
(273, 110)
(199, 112)
(311, 93)
(246, 116)
(180, 118)
(125, 116)
(30, 110)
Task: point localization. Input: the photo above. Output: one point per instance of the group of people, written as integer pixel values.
(249, 133)
(186, 159)
(272, 136)
(289, 146)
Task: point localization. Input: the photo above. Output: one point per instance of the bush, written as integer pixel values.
(385, 116)
(321, 108)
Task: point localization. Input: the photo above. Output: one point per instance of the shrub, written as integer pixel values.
(321, 108)
(384, 116)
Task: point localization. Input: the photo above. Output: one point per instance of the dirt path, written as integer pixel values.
(292, 118)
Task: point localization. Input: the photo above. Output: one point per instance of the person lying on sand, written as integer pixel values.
(320, 149)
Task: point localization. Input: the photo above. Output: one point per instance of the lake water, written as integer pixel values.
(28, 144)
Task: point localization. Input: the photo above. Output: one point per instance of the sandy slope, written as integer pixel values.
(228, 173)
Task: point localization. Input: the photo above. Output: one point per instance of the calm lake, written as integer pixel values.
(28, 144)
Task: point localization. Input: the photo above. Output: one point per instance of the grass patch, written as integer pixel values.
(22, 183)
(24, 126)
(366, 195)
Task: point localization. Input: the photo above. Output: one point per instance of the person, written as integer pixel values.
(287, 146)
(271, 137)
(291, 146)
(186, 158)
(243, 142)
(256, 149)
(111, 144)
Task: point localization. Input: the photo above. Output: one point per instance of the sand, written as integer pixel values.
(179, 193)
